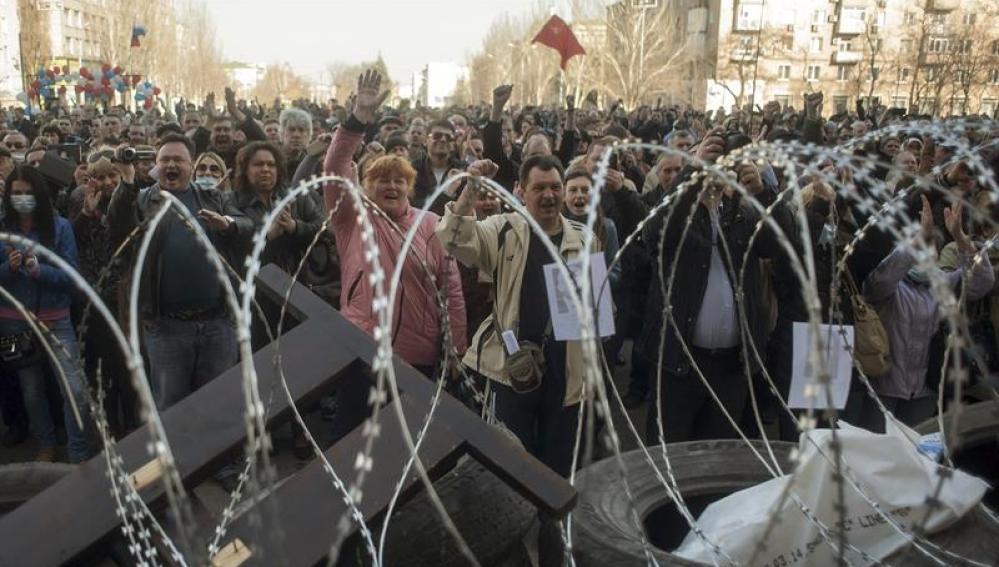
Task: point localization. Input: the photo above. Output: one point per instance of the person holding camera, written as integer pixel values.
(701, 311)
(93, 236)
(189, 336)
(46, 291)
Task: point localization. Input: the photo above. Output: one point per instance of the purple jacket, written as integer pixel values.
(910, 315)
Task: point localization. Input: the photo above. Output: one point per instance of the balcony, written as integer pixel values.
(851, 26)
(742, 55)
(847, 57)
(943, 5)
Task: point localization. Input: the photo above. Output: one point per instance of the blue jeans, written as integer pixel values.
(185, 355)
(36, 403)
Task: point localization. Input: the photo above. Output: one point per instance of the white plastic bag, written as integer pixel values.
(889, 469)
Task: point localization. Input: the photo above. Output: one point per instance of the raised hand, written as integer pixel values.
(501, 96)
(813, 102)
(210, 104)
(232, 107)
(953, 221)
(367, 98)
(483, 168)
(926, 220)
(712, 146)
(91, 199)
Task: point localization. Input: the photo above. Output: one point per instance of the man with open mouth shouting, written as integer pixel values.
(188, 333)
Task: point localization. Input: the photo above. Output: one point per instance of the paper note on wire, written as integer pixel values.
(837, 343)
(565, 317)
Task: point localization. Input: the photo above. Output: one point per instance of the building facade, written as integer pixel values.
(78, 31)
(10, 53)
(938, 57)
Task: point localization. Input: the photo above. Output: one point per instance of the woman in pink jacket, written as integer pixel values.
(388, 181)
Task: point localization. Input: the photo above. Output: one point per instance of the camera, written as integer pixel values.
(132, 155)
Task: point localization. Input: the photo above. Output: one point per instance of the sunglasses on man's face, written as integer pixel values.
(16, 145)
(438, 136)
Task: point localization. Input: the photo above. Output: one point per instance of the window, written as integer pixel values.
(964, 46)
(842, 73)
(818, 17)
(931, 74)
(963, 76)
(783, 100)
(852, 20)
(907, 45)
(814, 72)
(909, 19)
(749, 15)
(994, 76)
(927, 105)
(903, 74)
(938, 45)
(845, 46)
(958, 105)
(969, 19)
(784, 72)
(840, 103)
(900, 102)
(989, 106)
(815, 45)
(786, 43)
(875, 73)
(995, 47)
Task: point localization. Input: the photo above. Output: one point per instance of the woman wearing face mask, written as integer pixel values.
(45, 290)
(416, 330)
(210, 172)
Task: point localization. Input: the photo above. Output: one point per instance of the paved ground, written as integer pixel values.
(215, 498)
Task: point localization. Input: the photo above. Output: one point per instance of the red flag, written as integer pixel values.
(557, 35)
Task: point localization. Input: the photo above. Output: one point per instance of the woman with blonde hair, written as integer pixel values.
(210, 172)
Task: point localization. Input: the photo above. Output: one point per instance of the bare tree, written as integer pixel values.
(975, 53)
(343, 76)
(34, 36)
(280, 80)
(645, 55)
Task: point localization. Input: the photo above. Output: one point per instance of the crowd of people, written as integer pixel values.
(705, 292)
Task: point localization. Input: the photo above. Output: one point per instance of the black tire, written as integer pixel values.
(491, 517)
(978, 423)
(19, 482)
(976, 448)
(604, 533)
(975, 537)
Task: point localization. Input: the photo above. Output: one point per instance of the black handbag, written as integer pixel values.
(20, 350)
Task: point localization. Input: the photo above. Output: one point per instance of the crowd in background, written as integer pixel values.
(703, 289)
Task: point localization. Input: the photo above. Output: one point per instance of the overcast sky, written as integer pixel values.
(310, 33)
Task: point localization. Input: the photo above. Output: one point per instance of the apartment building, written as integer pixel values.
(939, 57)
(10, 52)
(78, 31)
